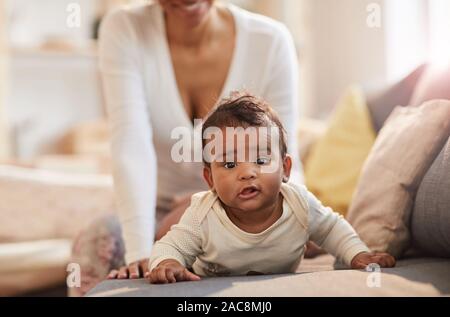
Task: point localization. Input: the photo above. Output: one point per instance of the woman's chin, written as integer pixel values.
(193, 18)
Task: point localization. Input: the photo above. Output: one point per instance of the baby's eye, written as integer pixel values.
(229, 165)
(262, 160)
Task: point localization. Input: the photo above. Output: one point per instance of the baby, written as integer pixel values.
(251, 221)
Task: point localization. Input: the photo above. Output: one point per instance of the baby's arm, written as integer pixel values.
(333, 233)
(176, 251)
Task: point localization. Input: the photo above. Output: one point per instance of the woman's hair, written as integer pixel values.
(245, 110)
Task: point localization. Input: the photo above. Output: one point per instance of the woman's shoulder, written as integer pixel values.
(132, 18)
(255, 24)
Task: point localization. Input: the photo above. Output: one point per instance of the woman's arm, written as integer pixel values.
(133, 154)
(281, 92)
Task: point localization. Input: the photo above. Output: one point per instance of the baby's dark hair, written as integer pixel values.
(245, 110)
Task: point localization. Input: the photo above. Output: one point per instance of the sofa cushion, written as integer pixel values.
(433, 84)
(334, 163)
(381, 103)
(412, 277)
(430, 222)
(403, 152)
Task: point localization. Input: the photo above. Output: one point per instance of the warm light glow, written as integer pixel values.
(441, 57)
(406, 36)
(440, 32)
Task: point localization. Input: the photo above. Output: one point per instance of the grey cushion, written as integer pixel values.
(411, 277)
(430, 223)
(381, 103)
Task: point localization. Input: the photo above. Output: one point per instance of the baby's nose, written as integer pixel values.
(247, 171)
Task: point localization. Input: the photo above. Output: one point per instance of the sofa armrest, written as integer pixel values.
(33, 265)
(38, 204)
(308, 132)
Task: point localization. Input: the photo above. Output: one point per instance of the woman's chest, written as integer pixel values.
(201, 77)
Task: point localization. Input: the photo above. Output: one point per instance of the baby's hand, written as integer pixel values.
(361, 260)
(171, 271)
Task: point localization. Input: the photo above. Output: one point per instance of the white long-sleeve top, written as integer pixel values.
(207, 241)
(144, 106)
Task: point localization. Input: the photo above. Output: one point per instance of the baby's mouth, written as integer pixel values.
(249, 192)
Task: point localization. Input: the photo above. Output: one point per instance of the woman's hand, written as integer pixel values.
(134, 270)
(361, 260)
(171, 271)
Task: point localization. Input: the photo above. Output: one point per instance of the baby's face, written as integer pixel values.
(246, 176)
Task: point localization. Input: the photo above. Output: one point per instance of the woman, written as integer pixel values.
(164, 65)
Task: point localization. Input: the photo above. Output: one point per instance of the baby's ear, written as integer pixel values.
(287, 166)
(207, 175)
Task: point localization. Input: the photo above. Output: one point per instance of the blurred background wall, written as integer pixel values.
(54, 84)
(4, 138)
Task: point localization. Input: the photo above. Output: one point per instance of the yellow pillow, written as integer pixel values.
(332, 169)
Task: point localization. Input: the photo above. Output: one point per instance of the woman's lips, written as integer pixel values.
(248, 192)
(190, 7)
